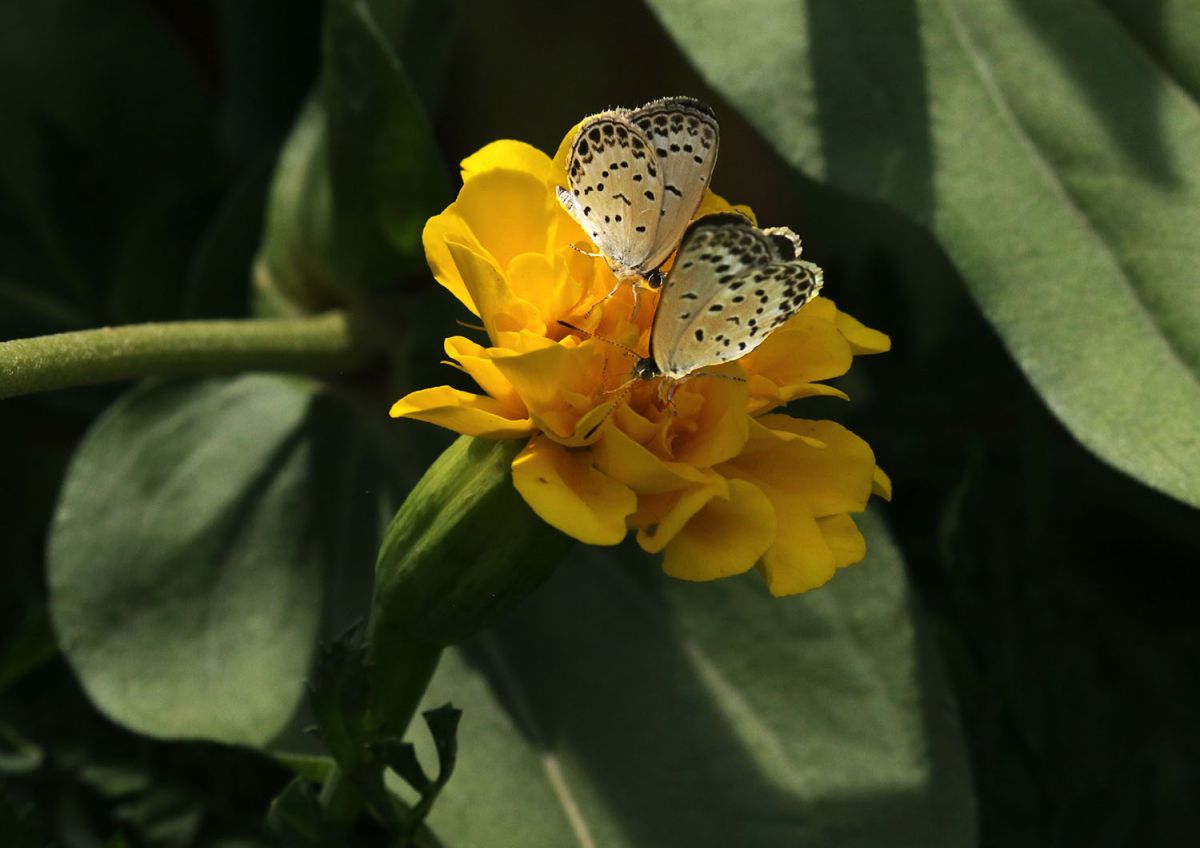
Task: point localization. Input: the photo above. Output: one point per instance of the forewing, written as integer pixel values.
(685, 137)
(730, 286)
(615, 190)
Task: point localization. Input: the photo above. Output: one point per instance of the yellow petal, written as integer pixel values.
(488, 290)
(546, 283)
(509, 212)
(511, 155)
(476, 360)
(636, 426)
(713, 430)
(520, 341)
(844, 539)
(832, 479)
(563, 487)
(805, 350)
(622, 458)
(462, 412)
(662, 516)
(439, 231)
(863, 340)
(724, 538)
(713, 203)
(821, 307)
(881, 484)
(800, 559)
(541, 378)
(564, 147)
(765, 395)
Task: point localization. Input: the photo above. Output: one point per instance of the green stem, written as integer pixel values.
(401, 668)
(339, 797)
(319, 344)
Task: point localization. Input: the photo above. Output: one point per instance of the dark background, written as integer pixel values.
(1063, 593)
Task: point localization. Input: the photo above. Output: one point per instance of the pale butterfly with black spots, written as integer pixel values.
(732, 285)
(636, 177)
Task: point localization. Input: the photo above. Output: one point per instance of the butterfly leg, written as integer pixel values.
(616, 287)
(604, 379)
(622, 387)
(652, 281)
(575, 247)
(624, 390)
(666, 393)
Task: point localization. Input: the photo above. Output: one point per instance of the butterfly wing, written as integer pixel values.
(684, 135)
(730, 286)
(616, 190)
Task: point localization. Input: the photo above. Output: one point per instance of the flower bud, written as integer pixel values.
(464, 547)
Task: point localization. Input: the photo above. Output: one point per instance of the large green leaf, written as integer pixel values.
(643, 711)
(294, 266)
(360, 172)
(386, 174)
(186, 555)
(1170, 30)
(100, 191)
(1058, 166)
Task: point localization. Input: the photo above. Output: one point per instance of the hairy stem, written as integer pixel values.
(319, 344)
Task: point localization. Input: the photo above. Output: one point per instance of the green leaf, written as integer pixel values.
(1055, 162)
(267, 67)
(386, 174)
(26, 310)
(186, 556)
(401, 758)
(293, 270)
(644, 711)
(18, 755)
(1170, 30)
(338, 693)
(17, 825)
(164, 815)
(217, 284)
(30, 646)
(100, 188)
(295, 816)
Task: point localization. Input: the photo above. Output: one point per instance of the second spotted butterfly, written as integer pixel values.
(730, 286)
(636, 178)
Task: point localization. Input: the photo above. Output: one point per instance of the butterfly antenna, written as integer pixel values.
(584, 332)
(730, 377)
(624, 390)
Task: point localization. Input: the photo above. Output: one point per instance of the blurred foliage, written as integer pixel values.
(1013, 666)
(1054, 162)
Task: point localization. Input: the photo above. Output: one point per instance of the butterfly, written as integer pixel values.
(636, 178)
(731, 285)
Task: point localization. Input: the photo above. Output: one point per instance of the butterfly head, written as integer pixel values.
(646, 369)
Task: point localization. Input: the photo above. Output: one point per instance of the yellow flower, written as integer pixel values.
(718, 482)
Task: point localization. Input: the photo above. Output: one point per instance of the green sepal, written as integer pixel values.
(296, 817)
(463, 549)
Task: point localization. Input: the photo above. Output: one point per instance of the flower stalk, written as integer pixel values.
(463, 549)
(318, 344)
